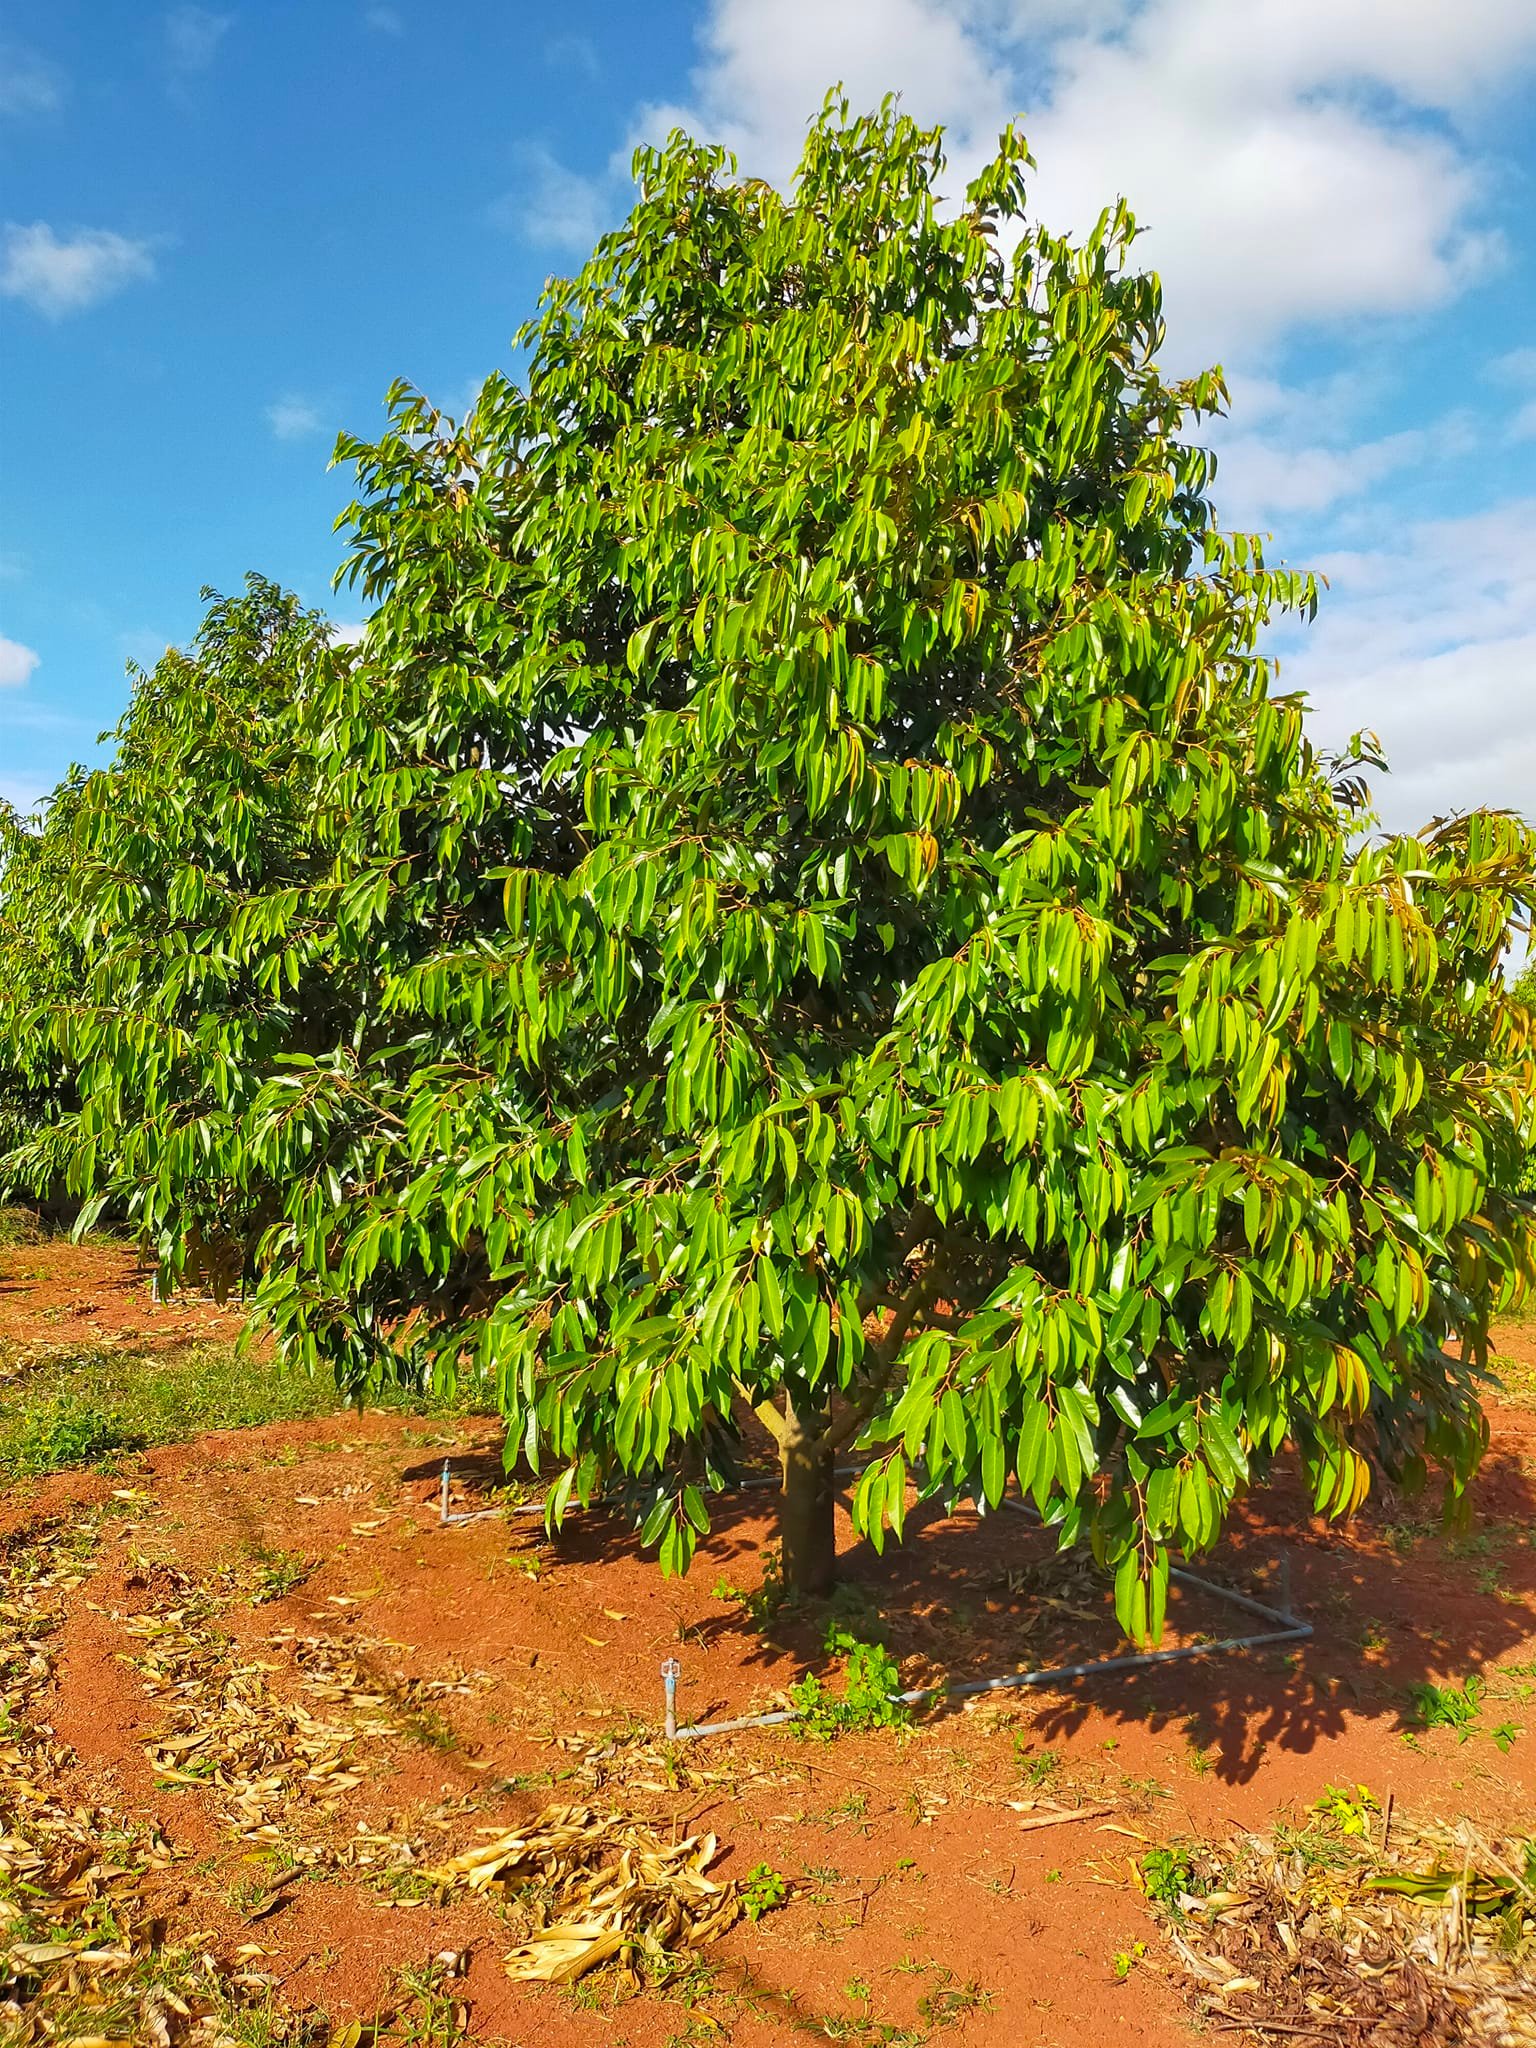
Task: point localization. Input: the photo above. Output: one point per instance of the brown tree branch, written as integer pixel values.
(917, 1298)
(766, 1414)
(919, 1224)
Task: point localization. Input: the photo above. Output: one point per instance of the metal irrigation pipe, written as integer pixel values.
(1290, 1630)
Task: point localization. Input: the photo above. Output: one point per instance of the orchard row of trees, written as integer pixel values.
(807, 901)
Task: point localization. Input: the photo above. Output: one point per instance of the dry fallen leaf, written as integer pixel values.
(559, 1955)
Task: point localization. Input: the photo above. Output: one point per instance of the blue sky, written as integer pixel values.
(225, 229)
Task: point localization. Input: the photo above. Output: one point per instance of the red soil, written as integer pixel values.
(909, 1859)
(62, 1293)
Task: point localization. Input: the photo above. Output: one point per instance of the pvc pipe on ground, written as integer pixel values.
(671, 1672)
(1005, 1681)
(1289, 1630)
(1058, 1674)
(1185, 1577)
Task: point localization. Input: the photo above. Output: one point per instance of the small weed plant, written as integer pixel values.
(951, 2003)
(278, 1573)
(763, 1890)
(1168, 1875)
(1449, 1706)
(1348, 1807)
(763, 1607)
(1037, 1769)
(871, 1678)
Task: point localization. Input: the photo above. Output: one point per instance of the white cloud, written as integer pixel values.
(29, 84)
(57, 274)
(193, 36)
(1425, 52)
(385, 21)
(555, 207)
(1294, 450)
(1259, 479)
(1295, 161)
(16, 663)
(294, 419)
(1431, 642)
(349, 634)
(769, 63)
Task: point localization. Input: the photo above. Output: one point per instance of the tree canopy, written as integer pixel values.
(810, 901)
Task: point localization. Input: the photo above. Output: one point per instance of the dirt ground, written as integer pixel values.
(964, 1881)
(54, 1292)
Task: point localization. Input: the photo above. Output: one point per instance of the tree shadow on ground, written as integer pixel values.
(1394, 1601)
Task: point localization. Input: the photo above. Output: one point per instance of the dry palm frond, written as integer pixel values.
(604, 1884)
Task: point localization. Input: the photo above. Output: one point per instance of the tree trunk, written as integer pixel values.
(807, 1533)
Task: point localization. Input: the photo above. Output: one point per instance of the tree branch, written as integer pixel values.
(919, 1223)
(917, 1298)
(766, 1414)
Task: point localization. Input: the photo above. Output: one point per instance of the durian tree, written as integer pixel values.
(823, 912)
(865, 941)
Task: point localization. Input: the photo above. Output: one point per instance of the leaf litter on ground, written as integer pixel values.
(87, 1956)
(1328, 1935)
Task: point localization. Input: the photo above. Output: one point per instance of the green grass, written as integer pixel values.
(62, 1407)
